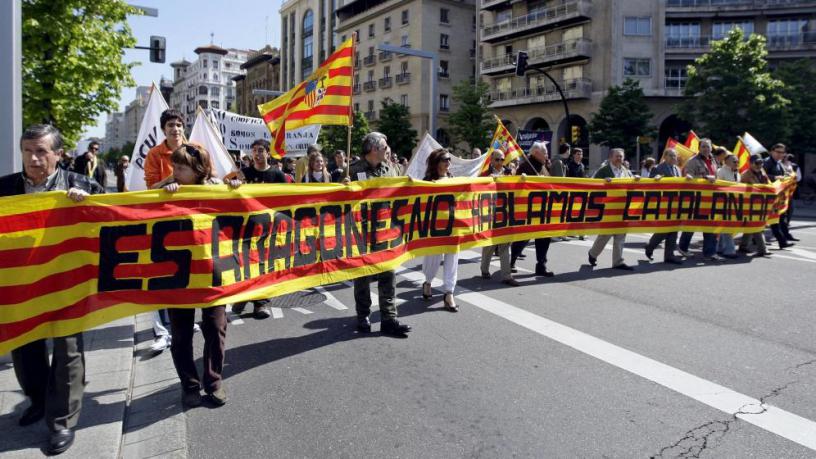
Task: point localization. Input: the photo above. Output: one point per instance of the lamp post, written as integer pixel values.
(11, 85)
(521, 69)
(434, 57)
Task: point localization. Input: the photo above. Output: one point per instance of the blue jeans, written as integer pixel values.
(726, 244)
(709, 243)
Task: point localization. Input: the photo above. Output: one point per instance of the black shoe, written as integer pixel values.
(785, 245)
(261, 313)
(191, 399)
(592, 260)
(60, 441)
(392, 327)
(522, 256)
(32, 414)
(762, 255)
(513, 269)
(624, 267)
(363, 324)
(511, 282)
(743, 250)
(541, 271)
(238, 308)
(673, 261)
(791, 238)
(649, 253)
(218, 397)
(485, 275)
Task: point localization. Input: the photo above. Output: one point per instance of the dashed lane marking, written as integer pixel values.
(302, 311)
(331, 300)
(277, 313)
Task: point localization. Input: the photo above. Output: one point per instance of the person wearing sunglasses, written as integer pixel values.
(497, 169)
(89, 165)
(439, 162)
(755, 175)
(729, 171)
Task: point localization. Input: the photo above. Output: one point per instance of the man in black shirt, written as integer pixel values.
(259, 172)
(338, 170)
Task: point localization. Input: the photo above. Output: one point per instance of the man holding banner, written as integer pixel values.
(55, 388)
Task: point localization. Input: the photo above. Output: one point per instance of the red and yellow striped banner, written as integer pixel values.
(66, 267)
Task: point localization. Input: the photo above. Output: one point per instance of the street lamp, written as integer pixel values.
(434, 66)
(521, 69)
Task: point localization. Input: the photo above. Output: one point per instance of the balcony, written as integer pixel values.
(385, 82)
(386, 56)
(579, 88)
(369, 60)
(690, 44)
(493, 4)
(561, 15)
(443, 74)
(550, 55)
(792, 42)
(356, 89)
(711, 8)
(371, 116)
(403, 78)
(369, 86)
(444, 109)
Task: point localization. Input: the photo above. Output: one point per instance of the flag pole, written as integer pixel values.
(523, 155)
(351, 109)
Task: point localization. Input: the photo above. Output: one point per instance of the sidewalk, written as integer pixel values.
(800, 210)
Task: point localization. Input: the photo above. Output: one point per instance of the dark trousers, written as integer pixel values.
(542, 246)
(670, 243)
(58, 385)
(779, 232)
(214, 330)
(709, 243)
(386, 289)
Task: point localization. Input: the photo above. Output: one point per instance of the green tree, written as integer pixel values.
(798, 77)
(395, 123)
(336, 137)
(732, 91)
(72, 61)
(621, 118)
(472, 123)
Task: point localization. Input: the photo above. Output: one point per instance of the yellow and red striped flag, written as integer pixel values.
(693, 142)
(742, 154)
(323, 98)
(504, 141)
(684, 153)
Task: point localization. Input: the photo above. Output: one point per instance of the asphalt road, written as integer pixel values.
(701, 360)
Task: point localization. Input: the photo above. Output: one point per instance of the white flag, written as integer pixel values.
(150, 135)
(205, 134)
(753, 145)
(459, 167)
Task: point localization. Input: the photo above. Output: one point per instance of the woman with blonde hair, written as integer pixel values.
(438, 169)
(316, 171)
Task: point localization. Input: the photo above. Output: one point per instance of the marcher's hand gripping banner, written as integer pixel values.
(66, 267)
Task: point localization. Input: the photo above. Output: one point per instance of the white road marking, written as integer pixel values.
(776, 420)
(331, 300)
(277, 313)
(803, 253)
(302, 311)
(374, 298)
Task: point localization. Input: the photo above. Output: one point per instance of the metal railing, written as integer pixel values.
(792, 41)
(745, 3)
(578, 88)
(542, 54)
(386, 56)
(356, 88)
(385, 82)
(536, 19)
(369, 60)
(692, 42)
(369, 86)
(403, 78)
(370, 116)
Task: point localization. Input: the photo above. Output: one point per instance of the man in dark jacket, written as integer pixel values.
(534, 165)
(89, 164)
(773, 167)
(55, 388)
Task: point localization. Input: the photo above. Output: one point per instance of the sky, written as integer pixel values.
(187, 24)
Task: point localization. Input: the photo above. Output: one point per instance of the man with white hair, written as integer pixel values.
(614, 169)
(535, 164)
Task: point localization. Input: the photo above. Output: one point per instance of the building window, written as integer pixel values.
(371, 105)
(202, 90)
(215, 77)
(503, 15)
(387, 24)
(370, 76)
(215, 104)
(308, 44)
(443, 103)
(633, 25)
(720, 29)
(215, 92)
(204, 63)
(357, 35)
(371, 31)
(676, 76)
(443, 41)
(404, 68)
(356, 107)
(215, 64)
(683, 35)
(788, 32)
(443, 69)
(404, 17)
(443, 15)
(404, 42)
(404, 100)
(387, 71)
(636, 67)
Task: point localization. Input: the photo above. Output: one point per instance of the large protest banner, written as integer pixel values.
(67, 267)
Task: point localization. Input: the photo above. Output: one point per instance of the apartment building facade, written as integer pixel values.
(262, 72)
(307, 38)
(588, 46)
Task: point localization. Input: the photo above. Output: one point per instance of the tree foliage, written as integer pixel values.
(395, 123)
(113, 154)
(799, 77)
(732, 91)
(622, 116)
(72, 61)
(472, 123)
(336, 137)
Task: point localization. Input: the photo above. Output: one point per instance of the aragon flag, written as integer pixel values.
(684, 153)
(323, 98)
(693, 142)
(502, 140)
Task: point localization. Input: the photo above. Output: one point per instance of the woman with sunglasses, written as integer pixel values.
(439, 169)
(192, 166)
(497, 169)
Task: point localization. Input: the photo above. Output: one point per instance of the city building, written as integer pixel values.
(208, 81)
(307, 38)
(262, 72)
(588, 46)
(114, 131)
(445, 27)
(134, 112)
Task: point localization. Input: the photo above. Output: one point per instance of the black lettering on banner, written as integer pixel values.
(417, 220)
(451, 202)
(719, 206)
(581, 197)
(337, 215)
(648, 198)
(631, 195)
(698, 207)
(596, 204)
(511, 210)
(556, 197)
(500, 211)
(109, 257)
(688, 210)
(756, 200)
(263, 221)
(735, 205)
(282, 223)
(229, 262)
(310, 241)
(397, 223)
(181, 257)
(770, 204)
(355, 236)
(486, 202)
(670, 196)
(377, 224)
(540, 212)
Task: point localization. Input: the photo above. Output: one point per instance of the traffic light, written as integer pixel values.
(157, 49)
(576, 134)
(521, 63)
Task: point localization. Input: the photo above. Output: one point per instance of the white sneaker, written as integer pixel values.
(160, 344)
(196, 327)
